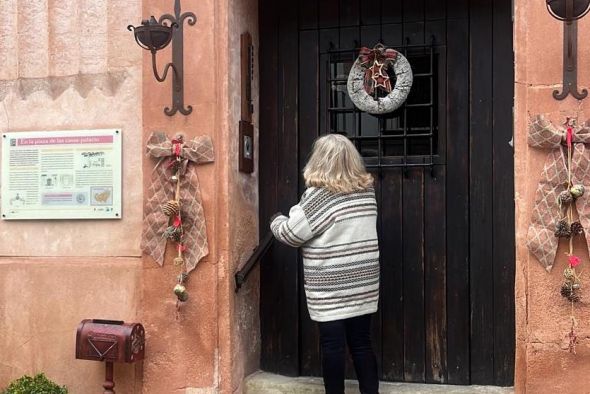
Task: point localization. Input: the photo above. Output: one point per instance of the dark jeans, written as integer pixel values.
(334, 335)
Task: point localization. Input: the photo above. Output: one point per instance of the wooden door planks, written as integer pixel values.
(442, 238)
(481, 193)
(457, 209)
(503, 196)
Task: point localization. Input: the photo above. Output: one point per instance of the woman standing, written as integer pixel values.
(335, 224)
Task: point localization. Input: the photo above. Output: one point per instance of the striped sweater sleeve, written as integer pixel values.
(293, 230)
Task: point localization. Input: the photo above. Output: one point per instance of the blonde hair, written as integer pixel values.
(336, 165)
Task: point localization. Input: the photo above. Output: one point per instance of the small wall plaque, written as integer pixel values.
(246, 162)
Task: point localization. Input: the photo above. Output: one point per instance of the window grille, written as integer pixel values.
(407, 137)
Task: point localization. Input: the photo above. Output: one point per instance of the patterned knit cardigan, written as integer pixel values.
(337, 233)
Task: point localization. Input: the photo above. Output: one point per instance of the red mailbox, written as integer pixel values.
(110, 341)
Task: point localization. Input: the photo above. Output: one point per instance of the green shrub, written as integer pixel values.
(34, 385)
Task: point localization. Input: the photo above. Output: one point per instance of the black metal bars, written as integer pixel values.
(408, 137)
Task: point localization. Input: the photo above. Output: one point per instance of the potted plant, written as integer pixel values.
(39, 384)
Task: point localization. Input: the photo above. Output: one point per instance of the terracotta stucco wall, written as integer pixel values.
(72, 64)
(215, 341)
(190, 354)
(543, 363)
(69, 65)
(243, 307)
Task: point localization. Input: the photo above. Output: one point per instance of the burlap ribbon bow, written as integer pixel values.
(376, 61)
(196, 151)
(541, 239)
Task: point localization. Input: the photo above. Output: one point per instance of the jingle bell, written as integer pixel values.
(179, 289)
(181, 292)
(577, 191)
(183, 297)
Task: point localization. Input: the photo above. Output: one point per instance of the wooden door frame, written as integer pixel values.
(475, 132)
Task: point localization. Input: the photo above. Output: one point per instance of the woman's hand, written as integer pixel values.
(273, 217)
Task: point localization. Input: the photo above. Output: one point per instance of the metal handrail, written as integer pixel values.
(257, 255)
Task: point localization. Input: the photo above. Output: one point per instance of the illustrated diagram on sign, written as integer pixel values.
(93, 160)
(49, 181)
(17, 200)
(102, 195)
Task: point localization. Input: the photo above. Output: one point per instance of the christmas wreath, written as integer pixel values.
(370, 84)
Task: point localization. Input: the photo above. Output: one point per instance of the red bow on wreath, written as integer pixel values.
(376, 61)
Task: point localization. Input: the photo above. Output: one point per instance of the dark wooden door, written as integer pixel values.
(443, 166)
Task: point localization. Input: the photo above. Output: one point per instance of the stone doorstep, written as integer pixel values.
(267, 383)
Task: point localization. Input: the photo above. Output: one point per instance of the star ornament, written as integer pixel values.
(380, 79)
(377, 69)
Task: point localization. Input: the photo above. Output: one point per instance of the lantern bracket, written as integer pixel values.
(569, 11)
(151, 35)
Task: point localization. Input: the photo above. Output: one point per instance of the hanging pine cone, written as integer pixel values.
(171, 208)
(565, 197)
(570, 291)
(563, 229)
(576, 228)
(577, 191)
(173, 233)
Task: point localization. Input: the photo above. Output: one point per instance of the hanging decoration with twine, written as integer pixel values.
(571, 286)
(560, 194)
(380, 80)
(174, 211)
(561, 190)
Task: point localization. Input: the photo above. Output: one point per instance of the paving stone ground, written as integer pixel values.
(266, 383)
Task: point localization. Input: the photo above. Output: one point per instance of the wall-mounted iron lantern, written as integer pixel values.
(569, 11)
(154, 35)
